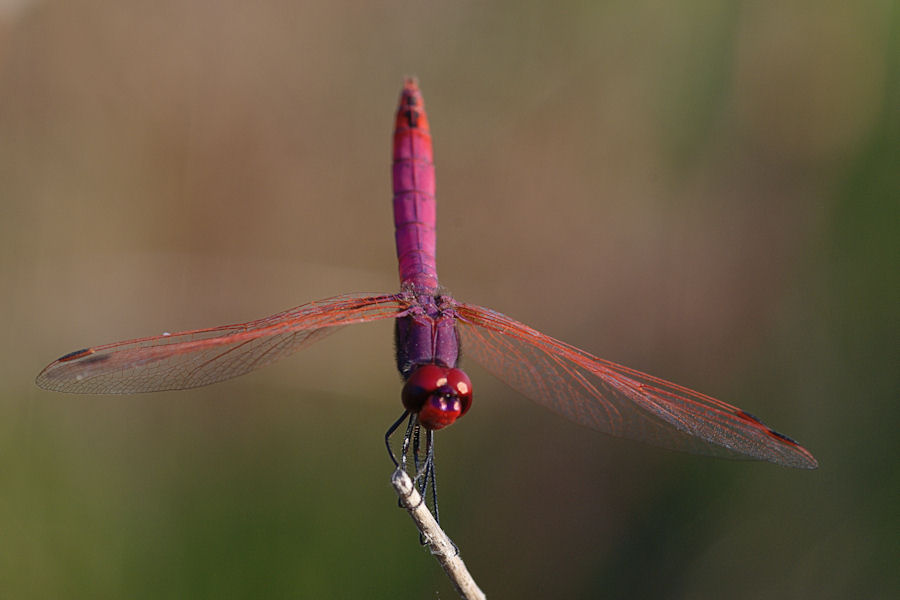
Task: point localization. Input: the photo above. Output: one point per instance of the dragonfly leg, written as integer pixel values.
(425, 478)
(410, 437)
(430, 474)
(412, 429)
(415, 452)
(390, 432)
(422, 462)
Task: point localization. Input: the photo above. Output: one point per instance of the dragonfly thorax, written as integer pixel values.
(427, 335)
(438, 395)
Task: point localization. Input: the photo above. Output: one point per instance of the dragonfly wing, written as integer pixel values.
(200, 357)
(615, 399)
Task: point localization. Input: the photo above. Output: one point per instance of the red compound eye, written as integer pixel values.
(439, 395)
(423, 382)
(461, 385)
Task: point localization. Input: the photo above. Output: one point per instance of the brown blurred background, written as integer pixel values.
(706, 191)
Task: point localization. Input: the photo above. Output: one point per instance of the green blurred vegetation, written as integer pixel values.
(707, 191)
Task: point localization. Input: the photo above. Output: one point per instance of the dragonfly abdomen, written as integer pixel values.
(414, 202)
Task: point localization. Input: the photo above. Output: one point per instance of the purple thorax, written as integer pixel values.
(428, 335)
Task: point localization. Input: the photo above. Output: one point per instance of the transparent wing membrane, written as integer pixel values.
(615, 399)
(200, 357)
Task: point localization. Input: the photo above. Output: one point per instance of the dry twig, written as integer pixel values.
(437, 541)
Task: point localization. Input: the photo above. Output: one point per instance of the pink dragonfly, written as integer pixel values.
(430, 328)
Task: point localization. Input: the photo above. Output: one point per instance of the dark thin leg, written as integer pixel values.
(390, 432)
(415, 451)
(423, 458)
(425, 464)
(430, 474)
(433, 471)
(411, 430)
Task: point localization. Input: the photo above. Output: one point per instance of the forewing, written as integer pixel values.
(200, 357)
(615, 399)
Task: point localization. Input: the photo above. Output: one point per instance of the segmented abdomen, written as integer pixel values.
(414, 203)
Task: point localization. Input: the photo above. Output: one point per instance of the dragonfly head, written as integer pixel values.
(439, 395)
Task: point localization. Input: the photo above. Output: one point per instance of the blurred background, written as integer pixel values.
(705, 191)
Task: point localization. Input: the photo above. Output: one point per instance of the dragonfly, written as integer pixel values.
(431, 328)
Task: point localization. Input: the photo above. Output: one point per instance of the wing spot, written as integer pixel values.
(748, 417)
(74, 355)
(783, 437)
